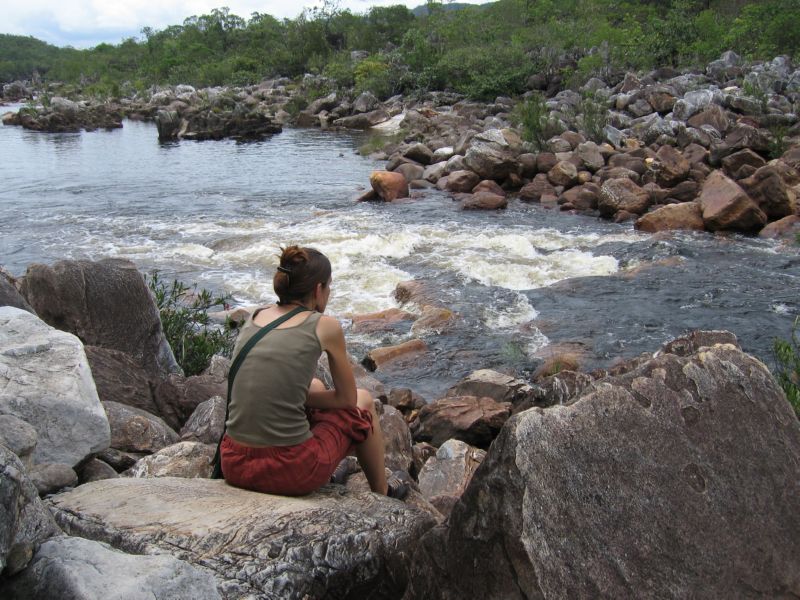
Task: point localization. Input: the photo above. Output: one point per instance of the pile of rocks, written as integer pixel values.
(62, 115)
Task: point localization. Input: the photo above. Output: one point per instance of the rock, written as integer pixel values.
(714, 115)
(445, 476)
(404, 399)
(19, 437)
(455, 163)
(545, 161)
(418, 292)
(45, 381)
(207, 422)
(136, 430)
(388, 185)
(434, 172)
(733, 163)
(590, 156)
(15, 91)
(672, 166)
(694, 102)
(364, 120)
(419, 153)
(740, 137)
(183, 459)
(540, 186)
(690, 343)
(487, 185)
(628, 161)
(661, 98)
(484, 201)
(365, 102)
(686, 215)
(725, 67)
(462, 181)
(119, 460)
(410, 171)
(96, 470)
(52, 477)
(385, 320)
(787, 228)
(9, 295)
(433, 319)
(490, 155)
(332, 543)
(726, 206)
(120, 378)
(328, 102)
(767, 189)
(471, 419)
(168, 124)
(582, 197)
(397, 439)
(564, 174)
(591, 484)
(82, 297)
(177, 397)
(622, 195)
(80, 569)
(492, 384)
(24, 520)
(443, 154)
(685, 191)
(382, 357)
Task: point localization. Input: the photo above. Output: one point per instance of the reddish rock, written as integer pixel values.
(622, 195)
(564, 173)
(135, 430)
(686, 215)
(484, 201)
(433, 318)
(767, 188)
(446, 475)
(389, 185)
(533, 191)
(462, 181)
(607, 173)
(582, 197)
(672, 166)
(384, 320)
(381, 357)
(488, 185)
(695, 154)
(628, 161)
(733, 164)
(527, 165)
(792, 157)
(658, 195)
(661, 101)
(726, 206)
(714, 115)
(473, 420)
(545, 161)
(405, 399)
(397, 439)
(786, 228)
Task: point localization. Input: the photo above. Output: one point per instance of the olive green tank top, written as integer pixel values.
(267, 404)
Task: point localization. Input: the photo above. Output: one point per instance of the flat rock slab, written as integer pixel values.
(333, 543)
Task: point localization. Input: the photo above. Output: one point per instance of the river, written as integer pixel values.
(215, 213)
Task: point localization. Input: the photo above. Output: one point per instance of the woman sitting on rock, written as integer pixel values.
(285, 433)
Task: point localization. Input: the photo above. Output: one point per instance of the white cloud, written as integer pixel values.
(84, 23)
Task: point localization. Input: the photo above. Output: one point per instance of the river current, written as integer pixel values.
(215, 213)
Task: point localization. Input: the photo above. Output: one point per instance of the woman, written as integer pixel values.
(285, 432)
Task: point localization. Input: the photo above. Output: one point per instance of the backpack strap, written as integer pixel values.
(237, 362)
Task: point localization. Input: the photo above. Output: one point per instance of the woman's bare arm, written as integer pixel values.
(343, 394)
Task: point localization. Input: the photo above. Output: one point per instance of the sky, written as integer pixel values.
(86, 23)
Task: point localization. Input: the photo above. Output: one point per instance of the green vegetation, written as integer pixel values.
(479, 50)
(533, 118)
(787, 357)
(187, 326)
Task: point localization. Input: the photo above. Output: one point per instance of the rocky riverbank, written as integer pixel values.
(105, 449)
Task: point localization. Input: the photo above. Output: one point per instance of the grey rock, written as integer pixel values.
(119, 378)
(79, 569)
(184, 459)
(328, 102)
(9, 295)
(490, 155)
(96, 470)
(206, 423)
(636, 481)
(397, 439)
(695, 101)
(45, 381)
(52, 477)
(332, 543)
(444, 477)
(492, 384)
(136, 430)
(18, 436)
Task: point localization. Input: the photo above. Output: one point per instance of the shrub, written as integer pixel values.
(533, 118)
(592, 115)
(787, 358)
(187, 326)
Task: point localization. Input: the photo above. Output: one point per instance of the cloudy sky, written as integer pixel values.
(86, 23)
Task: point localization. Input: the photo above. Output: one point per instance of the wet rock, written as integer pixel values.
(410, 171)
(462, 181)
(540, 186)
(490, 155)
(492, 384)
(622, 195)
(726, 206)
(136, 430)
(82, 297)
(419, 153)
(487, 185)
(52, 477)
(686, 215)
(385, 320)
(96, 470)
(433, 319)
(19, 437)
(25, 521)
(177, 397)
(672, 166)
(80, 569)
(260, 545)
(484, 201)
(470, 419)
(787, 228)
(183, 459)
(564, 173)
(582, 197)
(397, 439)
(445, 476)
(45, 381)
(207, 422)
(381, 357)
(767, 188)
(388, 185)
(557, 486)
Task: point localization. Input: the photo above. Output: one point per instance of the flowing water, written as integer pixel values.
(215, 213)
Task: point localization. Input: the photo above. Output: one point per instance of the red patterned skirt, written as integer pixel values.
(300, 469)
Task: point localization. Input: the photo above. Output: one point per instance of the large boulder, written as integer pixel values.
(388, 185)
(333, 543)
(84, 298)
(462, 181)
(444, 476)
(767, 188)
(622, 195)
(396, 438)
(184, 459)
(177, 397)
(9, 295)
(24, 520)
(19, 437)
(471, 419)
(79, 569)
(206, 423)
(686, 215)
(726, 206)
(119, 378)
(45, 381)
(672, 167)
(493, 384)
(490, 155)
(631, 490)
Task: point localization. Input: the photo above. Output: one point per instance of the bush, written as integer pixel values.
(187, 326)
(787, 357)
(592, 116)
(533, 118)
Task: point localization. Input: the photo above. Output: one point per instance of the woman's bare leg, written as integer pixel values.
(371, 451)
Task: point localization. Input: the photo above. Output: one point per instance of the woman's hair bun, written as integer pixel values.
(293, 255)
(299, 271)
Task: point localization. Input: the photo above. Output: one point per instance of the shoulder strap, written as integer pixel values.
(237, 362)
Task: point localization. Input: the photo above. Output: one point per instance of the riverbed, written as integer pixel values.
(520, 281)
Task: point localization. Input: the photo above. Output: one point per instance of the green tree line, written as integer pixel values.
(480, 50)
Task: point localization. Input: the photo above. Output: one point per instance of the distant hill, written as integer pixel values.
(21, 56)
(422, 10)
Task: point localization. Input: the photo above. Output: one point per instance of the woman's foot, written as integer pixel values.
(399, 485)
(342, 471)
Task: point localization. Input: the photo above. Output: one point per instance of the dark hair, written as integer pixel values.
(299, 272)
